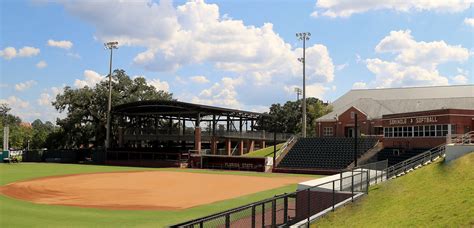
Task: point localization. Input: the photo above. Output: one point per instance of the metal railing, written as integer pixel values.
(285, 146)
(289, 208)
(467, 138)
(153, 132)
(415, 162)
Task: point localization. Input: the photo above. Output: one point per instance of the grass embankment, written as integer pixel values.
(17, 213)
(265, 152)
(437, 195)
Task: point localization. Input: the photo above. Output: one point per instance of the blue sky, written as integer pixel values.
(239, 54)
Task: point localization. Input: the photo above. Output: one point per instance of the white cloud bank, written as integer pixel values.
(41, 64)
(415, 63)
(469, 21)
(199, 79)
(22, 86)
(26, 51)
(346, 8)
(196, 33)
(64, 44)
(91, 78)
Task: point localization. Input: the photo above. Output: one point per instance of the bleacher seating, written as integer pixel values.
(332, 153)
(394, 155)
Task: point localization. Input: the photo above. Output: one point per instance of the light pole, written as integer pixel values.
(298, 93)
(111, 46)
(304, 36)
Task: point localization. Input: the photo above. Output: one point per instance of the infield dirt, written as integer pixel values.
(146, 190)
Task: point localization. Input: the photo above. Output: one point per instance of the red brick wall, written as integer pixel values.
(462, 119)
(366, 126)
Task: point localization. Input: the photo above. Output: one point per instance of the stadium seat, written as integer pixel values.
(325, 153)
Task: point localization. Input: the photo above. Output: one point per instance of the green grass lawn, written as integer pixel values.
(265, 152)
(437, 195)
(17, 213)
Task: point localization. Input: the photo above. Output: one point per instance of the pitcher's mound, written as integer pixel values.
(148, 190)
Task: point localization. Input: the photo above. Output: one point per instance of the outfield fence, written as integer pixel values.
(289, 208)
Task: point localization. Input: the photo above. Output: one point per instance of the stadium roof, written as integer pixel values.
(378, 102)
(178, 108)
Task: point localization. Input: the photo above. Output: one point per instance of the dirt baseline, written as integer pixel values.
(148, 190)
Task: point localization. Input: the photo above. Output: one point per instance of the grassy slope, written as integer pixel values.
(439, 195)
(16, 213)
(265, 152)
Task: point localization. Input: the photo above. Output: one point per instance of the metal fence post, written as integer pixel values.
(263, 214)
(285, 209)
(376, 175)
(340, 182)
(361, 176)
(352, 188)
(274, 213)
(253, 216)
(309, 205)
(227, 220)
(333, 195)
(368, 183)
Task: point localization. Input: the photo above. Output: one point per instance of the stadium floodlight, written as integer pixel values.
(111, 46)
(304, 36)
(298, 92)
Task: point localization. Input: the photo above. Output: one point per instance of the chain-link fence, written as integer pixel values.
(290, 208)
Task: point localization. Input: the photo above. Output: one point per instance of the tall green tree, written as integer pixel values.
(86, 108)
(20, 133)
(287, 118)
(40, 133)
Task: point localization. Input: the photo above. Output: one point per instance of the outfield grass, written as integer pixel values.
(437, 195)
(265, 152)
(17, 213)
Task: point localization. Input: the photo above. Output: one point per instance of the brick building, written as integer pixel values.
(417, 117)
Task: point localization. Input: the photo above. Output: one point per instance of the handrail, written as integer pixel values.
(285, 146)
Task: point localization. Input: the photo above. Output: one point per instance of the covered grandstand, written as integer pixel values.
(165, 133)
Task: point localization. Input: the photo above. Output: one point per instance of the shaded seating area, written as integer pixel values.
(332, 153)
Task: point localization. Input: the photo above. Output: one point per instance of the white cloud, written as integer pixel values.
(26, 51)
(393, 74)
(221, 93)
(159, 85)
(344, 8)
(41, 64)
(341, 66)
(15, 102)
(47, 96)
(426, 54)
(317, 90)
(74, 55)
(8, 53)
(460, 79)
(199, 79)
(469, 21)
(20, 108)
(91, 78)
(64, 44)
(25, 85)
(359, 85)
(195, 33)
(415, 63)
